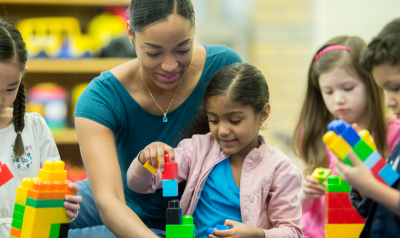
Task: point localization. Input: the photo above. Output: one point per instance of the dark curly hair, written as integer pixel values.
(384, 48)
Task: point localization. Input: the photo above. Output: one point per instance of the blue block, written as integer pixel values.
(170, 188)
(372, 159)
(333, 125)
(389, 175)
(345, 130)
(210, 230)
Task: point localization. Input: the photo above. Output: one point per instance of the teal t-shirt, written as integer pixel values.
(107, 102)
(219, 200)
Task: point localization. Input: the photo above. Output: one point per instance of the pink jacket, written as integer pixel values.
(268, 186)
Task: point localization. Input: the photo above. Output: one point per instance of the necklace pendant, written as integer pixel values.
(165, 119)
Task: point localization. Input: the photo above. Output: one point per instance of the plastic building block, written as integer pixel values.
(346, 131)
(210, 230)
(347, 161)
(170, 169)
(174, 213)
(362, 150)
(170, 188)
(372, 160)
(339, 215)
(388, 175)
(337, 144)
(336, 184)
(367, 138)
(358, 218)
(150, 168)
(185, 230)
(5, 174)
(39, 209)
(337, 200)
(343, 230)
(321, 174)
(377, 168)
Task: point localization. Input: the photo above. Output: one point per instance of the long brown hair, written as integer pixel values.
(13, 48)
(314, 117)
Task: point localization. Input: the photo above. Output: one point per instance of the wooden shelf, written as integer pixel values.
(65, 136)
(74, 66)
(69, 2)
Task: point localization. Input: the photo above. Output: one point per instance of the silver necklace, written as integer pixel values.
(165, 119)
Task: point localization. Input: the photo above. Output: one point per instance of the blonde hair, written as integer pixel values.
(314, 117)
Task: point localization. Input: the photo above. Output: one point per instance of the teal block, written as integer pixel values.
(362, 150)
(45, 203)
(18, 216)
(19, 208)
(54, 230)
(16, 224)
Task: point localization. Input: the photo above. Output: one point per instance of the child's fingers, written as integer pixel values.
(153, 155)
(161, 158)
(73, 198)
(170, 152)
(311, 180)
(354, 159)
(355, 127)
(224, 233)
(72, 206)
(71, 214)
(74, 187)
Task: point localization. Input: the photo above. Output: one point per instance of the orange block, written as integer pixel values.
(50, 190)
(15, 232)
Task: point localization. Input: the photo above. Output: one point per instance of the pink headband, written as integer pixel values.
(329, 48)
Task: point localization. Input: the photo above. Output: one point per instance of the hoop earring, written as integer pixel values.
(261, 127)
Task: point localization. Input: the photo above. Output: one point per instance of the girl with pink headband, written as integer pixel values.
(337, 87)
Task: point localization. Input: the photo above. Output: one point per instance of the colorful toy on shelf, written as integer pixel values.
(5, 174)
(76, 92)
(321, 174)
(39, 205)
(169, 176)
(341, 219)
(210, 230)
(61, 37)
(176, 225)
(341, 138)
(49, 100)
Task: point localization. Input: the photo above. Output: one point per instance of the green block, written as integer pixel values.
(16, 224)
(19, 208)
(321, 174)
(44, 203)
(362, 150)
(186, 230)
(347, 161)
(13, 237)
(336, 185)
(54, 230)
(18, 216)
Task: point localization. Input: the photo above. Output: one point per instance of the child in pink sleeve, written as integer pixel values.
(338, 87)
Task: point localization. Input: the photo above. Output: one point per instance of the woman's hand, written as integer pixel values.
(311, 188)
(239, 230)
(150, 153)
(359, 176)
(72, 202)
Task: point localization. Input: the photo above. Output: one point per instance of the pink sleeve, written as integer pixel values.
(284, 207)
(141, 180)
(393, 134)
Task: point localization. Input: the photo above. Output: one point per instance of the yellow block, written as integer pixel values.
(337, 144)
(45, 215)
(343, 230)
(35, 230)
(150, 168)
(22, 193)
(367, 138)
(53, 175)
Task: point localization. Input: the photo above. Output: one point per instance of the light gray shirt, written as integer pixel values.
(39, 147)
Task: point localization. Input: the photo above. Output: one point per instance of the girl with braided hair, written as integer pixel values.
(25, 140)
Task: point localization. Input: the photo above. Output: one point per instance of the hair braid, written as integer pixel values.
(19, 119)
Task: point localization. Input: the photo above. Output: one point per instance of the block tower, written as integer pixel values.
(169, 176)
(178, 226)
(39, 211)
(341, 218)
(341, 138)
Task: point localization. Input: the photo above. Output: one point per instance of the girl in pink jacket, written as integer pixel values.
(233, 177)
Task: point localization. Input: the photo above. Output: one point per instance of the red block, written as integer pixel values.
(377, 167)
(339, 215)
(337, 200)
(358, 218)
(170, 169)
(5, 174)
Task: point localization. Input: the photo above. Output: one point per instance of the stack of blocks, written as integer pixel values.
(5, 174)
(341, 138)
(321, 174)
(39, 205)
(169, 176)
(341, 218)
(178, 226)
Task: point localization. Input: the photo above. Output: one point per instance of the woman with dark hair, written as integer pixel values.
(151, 98)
